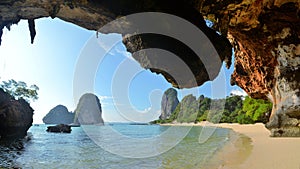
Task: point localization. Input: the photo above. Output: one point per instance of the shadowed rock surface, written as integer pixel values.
(59, 115)
(265, 35)
(168, 103)
(95, 14)
(15, 117)
(11, 150)
(88, 110)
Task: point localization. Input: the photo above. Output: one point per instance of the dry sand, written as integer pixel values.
(261, 152)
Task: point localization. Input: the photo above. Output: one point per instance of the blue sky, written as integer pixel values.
(64, 54)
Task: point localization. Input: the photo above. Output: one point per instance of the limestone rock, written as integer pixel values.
(60, 128)
(267, 61)
(95, 14)
(189, 107)
(59, 115)
(168, 103)
(88, 110)
(15, 117)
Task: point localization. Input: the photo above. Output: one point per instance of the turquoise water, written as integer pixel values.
(78, 150)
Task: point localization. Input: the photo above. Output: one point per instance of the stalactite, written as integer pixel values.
(31, 26)
(1, 33)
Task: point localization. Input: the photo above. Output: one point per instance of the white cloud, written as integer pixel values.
(146, 110)
(104, 102)
(123, 52)
(105, 97)
(238, 92)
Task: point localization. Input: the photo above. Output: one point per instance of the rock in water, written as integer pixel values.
(59, 115)
(88, 110)
(168, 103)
(60, 128)
(15, 117)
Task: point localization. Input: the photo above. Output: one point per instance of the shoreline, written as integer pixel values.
(264, 152)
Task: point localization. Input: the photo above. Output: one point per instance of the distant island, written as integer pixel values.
(59, 115)
(232, 109)
(88, 111)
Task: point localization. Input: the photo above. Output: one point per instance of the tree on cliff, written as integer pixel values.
(20, 90)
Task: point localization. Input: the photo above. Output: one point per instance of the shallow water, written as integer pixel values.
(78, 150)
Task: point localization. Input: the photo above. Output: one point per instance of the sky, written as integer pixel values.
(66, 61)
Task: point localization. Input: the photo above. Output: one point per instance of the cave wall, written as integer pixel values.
(93, 15)
(264, 34)
(266, 38)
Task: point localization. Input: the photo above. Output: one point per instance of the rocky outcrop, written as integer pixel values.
(266, 38)
(265, 35)
(169, 102)
(15, 117)
(88, 110)
(59, 115)
(189, 107)
(60, 128)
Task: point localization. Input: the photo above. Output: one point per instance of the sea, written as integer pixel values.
(117, 146)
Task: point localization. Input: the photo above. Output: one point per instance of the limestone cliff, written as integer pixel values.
(59, 115)
(265, 35)
(168, 103)
(88, 110)
(189, 107)
(15, 117)
(266, 39)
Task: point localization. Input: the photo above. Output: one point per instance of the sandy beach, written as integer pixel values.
(257, 150)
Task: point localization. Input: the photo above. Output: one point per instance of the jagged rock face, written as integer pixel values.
(95, 14)
(59, 115)
(266, 38)
(168, 103)
(88, 110)
(175, 71)
(15, 117)
(264, 33)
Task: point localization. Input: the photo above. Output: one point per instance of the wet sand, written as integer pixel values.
(255, 149)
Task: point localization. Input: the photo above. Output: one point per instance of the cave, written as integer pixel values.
(265, 36)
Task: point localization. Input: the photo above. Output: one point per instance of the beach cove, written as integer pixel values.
(260, 151)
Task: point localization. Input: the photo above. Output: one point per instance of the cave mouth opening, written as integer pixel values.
(274, 24)
(53, 54)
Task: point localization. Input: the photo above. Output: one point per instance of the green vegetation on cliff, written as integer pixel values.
(20, 90)
(16, 115)
(233, 109)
